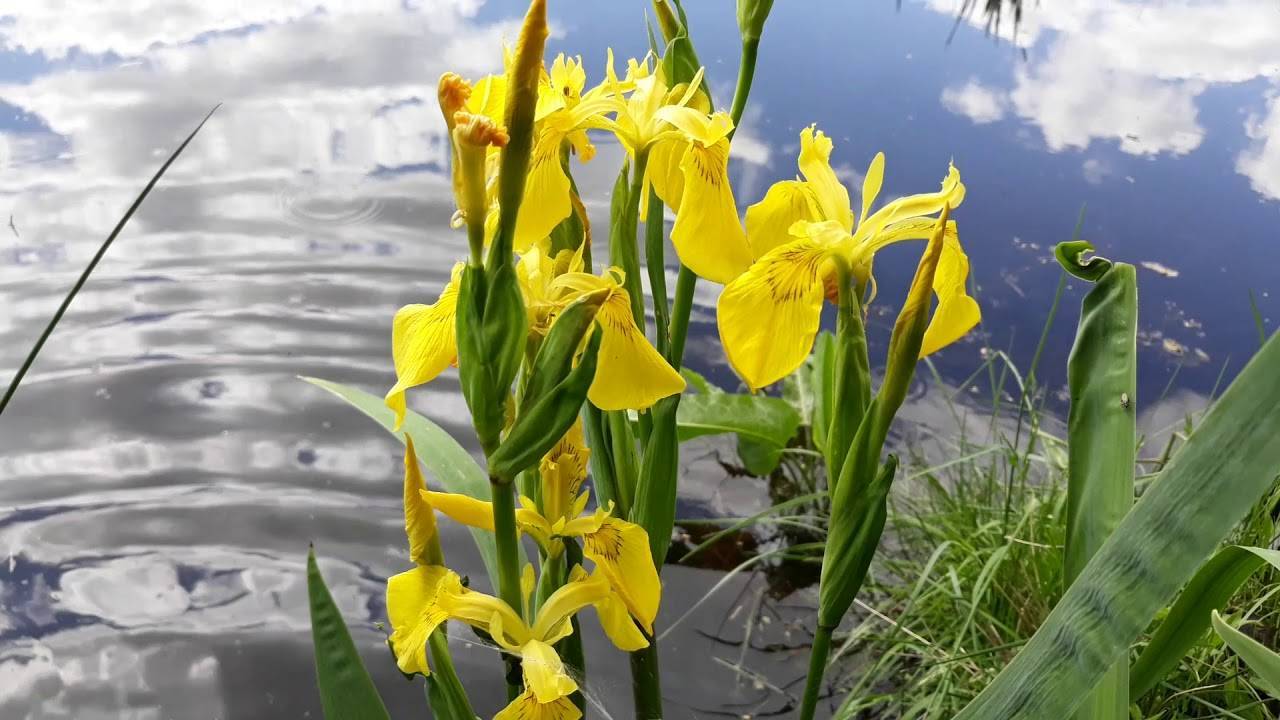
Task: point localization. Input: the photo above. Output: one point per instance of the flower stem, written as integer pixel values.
(686, 283)
(445, 676)
(817, 667)
(646, 687)
(655, 263)
(746, 72)
(508, 545)
(623, 250)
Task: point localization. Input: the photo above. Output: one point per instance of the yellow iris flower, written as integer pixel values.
(630, 373)
(769, 315)
(619, 549)
(690, 172)
(565, 115)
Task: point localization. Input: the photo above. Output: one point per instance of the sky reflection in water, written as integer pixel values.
(162, 470)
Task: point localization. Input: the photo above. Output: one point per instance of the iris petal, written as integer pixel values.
(527, 707)
(707, 234)
(630, 373)
(546, 192)
(620, 549)
(815, 163)
(769, 315)
(423, 343)
(785, 204)
(414, 615)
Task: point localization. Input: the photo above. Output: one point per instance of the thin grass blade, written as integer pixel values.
(93, 264)
(1261, 660)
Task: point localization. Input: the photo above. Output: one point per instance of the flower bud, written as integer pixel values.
(472, 136)
(667, 21)
(751, 17)
(556, 389)
(491, 331)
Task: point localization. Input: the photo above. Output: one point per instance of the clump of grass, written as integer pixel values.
(973, 563)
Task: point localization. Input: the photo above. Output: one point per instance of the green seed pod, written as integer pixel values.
(491, 327)
(751, 17)
(540, 425)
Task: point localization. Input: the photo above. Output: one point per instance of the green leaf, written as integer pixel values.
(346, 690)
(758, 458)
(450, 464)
(1256, 655)
(1186, 622)
(1212, 482)
(1102, 374)
(758, 417)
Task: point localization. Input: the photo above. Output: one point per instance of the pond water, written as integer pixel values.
(162, 470)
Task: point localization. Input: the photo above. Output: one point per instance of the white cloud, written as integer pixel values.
(1095, 170)
(975, 101)
(1132, 72)
(1260, 162)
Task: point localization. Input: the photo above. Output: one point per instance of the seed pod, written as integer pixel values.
(539, 426)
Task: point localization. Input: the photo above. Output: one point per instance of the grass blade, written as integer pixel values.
(1257, 318)
(1187, 620)
(93, 264)
(346, 690)
(1225, 465)
(1261, 660)
(1102, 374)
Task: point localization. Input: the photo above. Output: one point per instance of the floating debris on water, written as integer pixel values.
(1173, 347)
(1159, 268)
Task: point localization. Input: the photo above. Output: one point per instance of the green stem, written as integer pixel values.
(508, 545)
(646, 685)
(570, 648)
(549, 580)
(625, 462)
(817, 667)
(623, 250)
(852, 386)
(686, 283)
(445, 676)
(603, 477)
(655, 263)
(746, 72)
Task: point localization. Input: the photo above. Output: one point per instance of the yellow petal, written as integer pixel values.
(423, 343)
(489, 97)
(546, 192)
(707, 234)
(705, 129)
(553, 618)
(871, 185)
(620, 549)
(957, 312)
(483, 611)
(769, 315)
(544, 672)
(414, 614)
(630, 373)
(527, 707)
(913, 206)
(419, 519)
(563, 470)
(664, 170)
(618, 624)
(815, 163)
(462, 508)
(769, 221)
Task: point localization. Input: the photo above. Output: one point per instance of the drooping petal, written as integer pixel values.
(707, 234)
(619, 625)
(544, 672)
(423, 343)
(769, 315)
(462, 508)
(527, 707)
(664, 170)
(419, 519)
(815, 163)
(483, 611)
(414, 613)
(913, 206)
(957, 312)
(871, 185)
(769, 221)
(703, 128)
(620, 550)
(546, 191)
(630, 373)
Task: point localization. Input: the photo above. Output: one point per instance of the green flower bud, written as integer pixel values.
(751, 17)
(491, 332)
